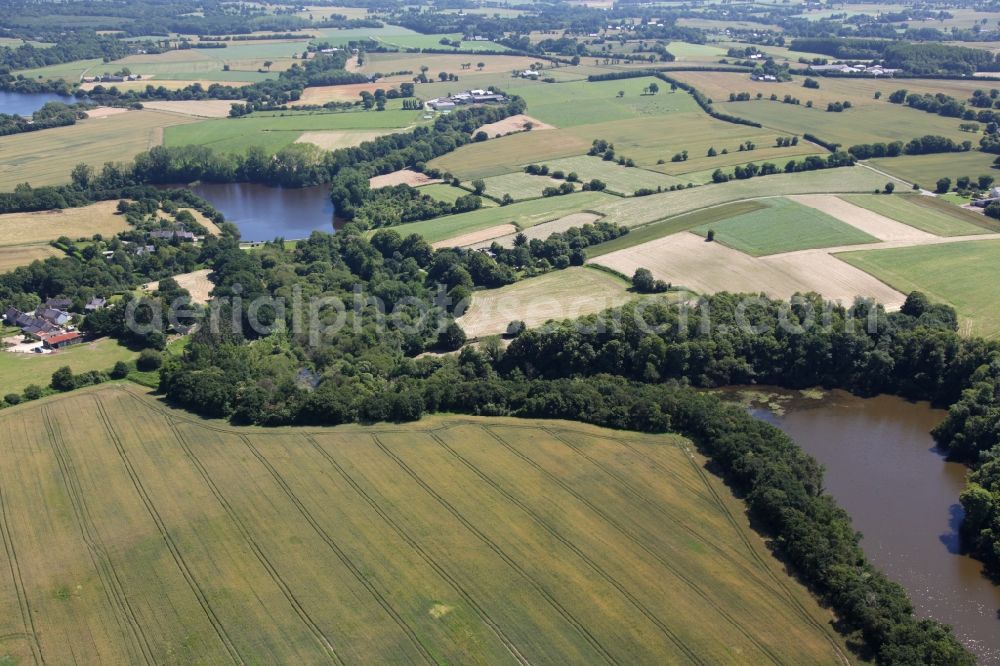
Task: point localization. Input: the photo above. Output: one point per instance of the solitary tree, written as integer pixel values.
(267, 65)
(943, 185)
(710, 236)
(478, 186)
(653, 88)
(889, 187)
(480, 65)
(621, 93)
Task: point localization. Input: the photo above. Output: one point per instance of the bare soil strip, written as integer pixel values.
(401, 177)
(513, 124)
(477, 237)
(685, 259)
(870, 222)
(196, 282)
(546, 229)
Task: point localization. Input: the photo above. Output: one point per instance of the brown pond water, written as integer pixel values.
(882, 467)
(263, 213)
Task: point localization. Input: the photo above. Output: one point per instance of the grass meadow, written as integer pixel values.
(520, 185)
(783, 226)
(274, 132)
(926, 213)
(953, 273)
(673, 225)
(46, 158)
(523, 214)
(21, 370)
(140, 533)
(619, 179)
(926, 169)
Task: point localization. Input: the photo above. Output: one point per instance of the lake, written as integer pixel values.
(263, 213)
(882, 467)
(24, 104)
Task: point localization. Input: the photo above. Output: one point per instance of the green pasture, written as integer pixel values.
(926, 213)
(524, 214)
(783, 226)
(926, 169)
(677, 224)
(273, 132)
(954, 273)
(619, 179)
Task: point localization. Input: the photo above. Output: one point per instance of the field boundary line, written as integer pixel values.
(23, 604)
(634, 539)
(437, 568)
(182, 565)
(99, 557)
(559, 608)
(669, 633)
(341, 555)
(272, 572)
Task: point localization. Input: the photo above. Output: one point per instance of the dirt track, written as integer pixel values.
(481, 237)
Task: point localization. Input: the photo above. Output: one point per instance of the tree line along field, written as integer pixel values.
(138, 534)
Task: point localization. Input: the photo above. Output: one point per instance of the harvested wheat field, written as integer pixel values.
(483, 236)
(196, 282)
(401, 177)
(47, 225)
(202, 108)
(347, 92)
(106, 112)
(685, 259)
(870, 222)
(135, 533)
(513, 124)
(565, 294)
(13, 256)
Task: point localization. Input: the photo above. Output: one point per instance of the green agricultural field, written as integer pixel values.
(496, 157)
(677, 224)
(414, 41)
(783, 226)
(954, 273)
(140, 533)
(926, 213)
(524, 214)
(274, 132)
(863, 124)
(71, 71)
(46, 158)
(637, 211)
(588, 103)
(623, 180)
(926, 169)
(449, 193)
(520, 185)
(20, 370)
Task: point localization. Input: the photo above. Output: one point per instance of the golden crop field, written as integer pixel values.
(12, 256)
(134, 533)
(44, 226)
(46, 158)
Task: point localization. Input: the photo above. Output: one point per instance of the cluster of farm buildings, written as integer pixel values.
(468, 97)
(51, 324)
(112, 78)
(866, 70)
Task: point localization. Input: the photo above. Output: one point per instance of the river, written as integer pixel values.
(263, 213)
(882, 467)
(24, 104)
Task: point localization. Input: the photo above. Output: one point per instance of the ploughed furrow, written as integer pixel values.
(175, 552)
(692, 585)
(554, 603)
(24, 606)
(652, 617)
(341, 555)
(247, 535)
(134, 638)
(415, 545)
